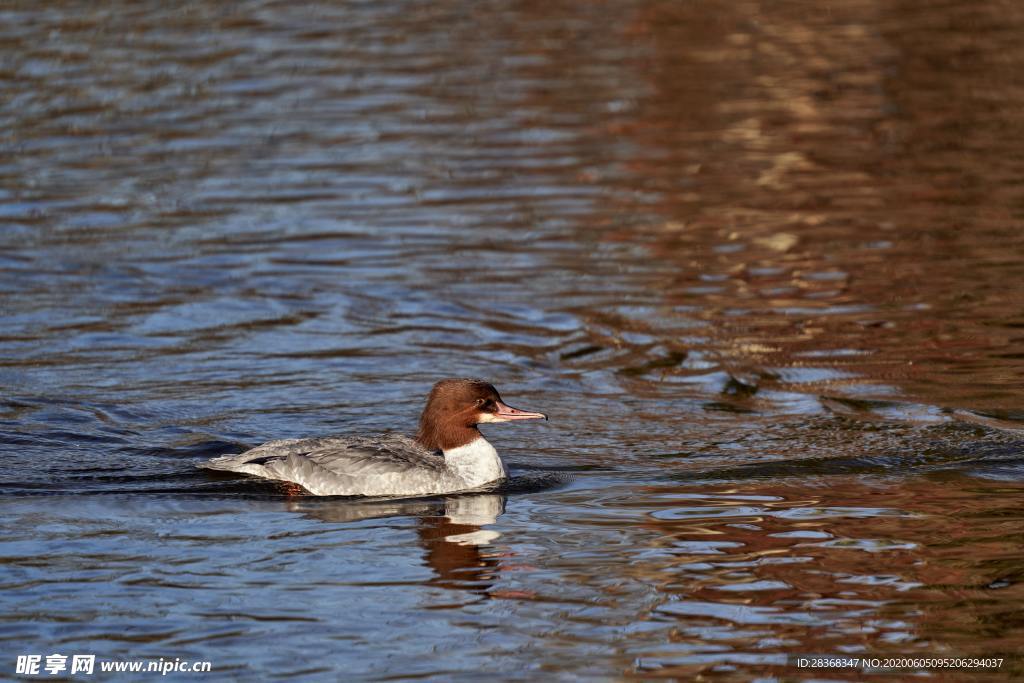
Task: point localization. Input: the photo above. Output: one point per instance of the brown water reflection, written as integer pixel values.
(822, 189)
(920, 567)
(761, 263)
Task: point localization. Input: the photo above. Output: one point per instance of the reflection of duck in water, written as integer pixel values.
(450, 532)
(456, 544)
(449, 454)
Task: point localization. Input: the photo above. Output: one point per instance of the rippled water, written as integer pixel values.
(760, 262)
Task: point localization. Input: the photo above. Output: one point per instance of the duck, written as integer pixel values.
(447, 455)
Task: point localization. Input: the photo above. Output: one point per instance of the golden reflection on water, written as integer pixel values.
(821, 187)
(759, 572)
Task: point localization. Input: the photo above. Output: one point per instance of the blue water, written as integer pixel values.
(759, 264)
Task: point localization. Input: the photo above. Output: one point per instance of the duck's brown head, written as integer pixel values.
(456, 406)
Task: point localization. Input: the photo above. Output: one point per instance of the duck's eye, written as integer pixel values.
(485, 403)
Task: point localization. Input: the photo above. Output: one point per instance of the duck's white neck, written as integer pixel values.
(476, 463)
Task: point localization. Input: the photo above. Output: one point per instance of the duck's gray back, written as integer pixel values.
(341, 466)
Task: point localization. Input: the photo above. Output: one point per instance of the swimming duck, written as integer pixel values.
(448, 455)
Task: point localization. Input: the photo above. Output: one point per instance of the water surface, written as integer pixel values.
(760, 262)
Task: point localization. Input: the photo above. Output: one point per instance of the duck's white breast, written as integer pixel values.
(475, 464)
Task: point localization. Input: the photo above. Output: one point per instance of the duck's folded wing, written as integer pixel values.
(333, 465)
(272, 449)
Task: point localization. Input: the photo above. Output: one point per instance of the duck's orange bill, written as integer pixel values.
(510, 413)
